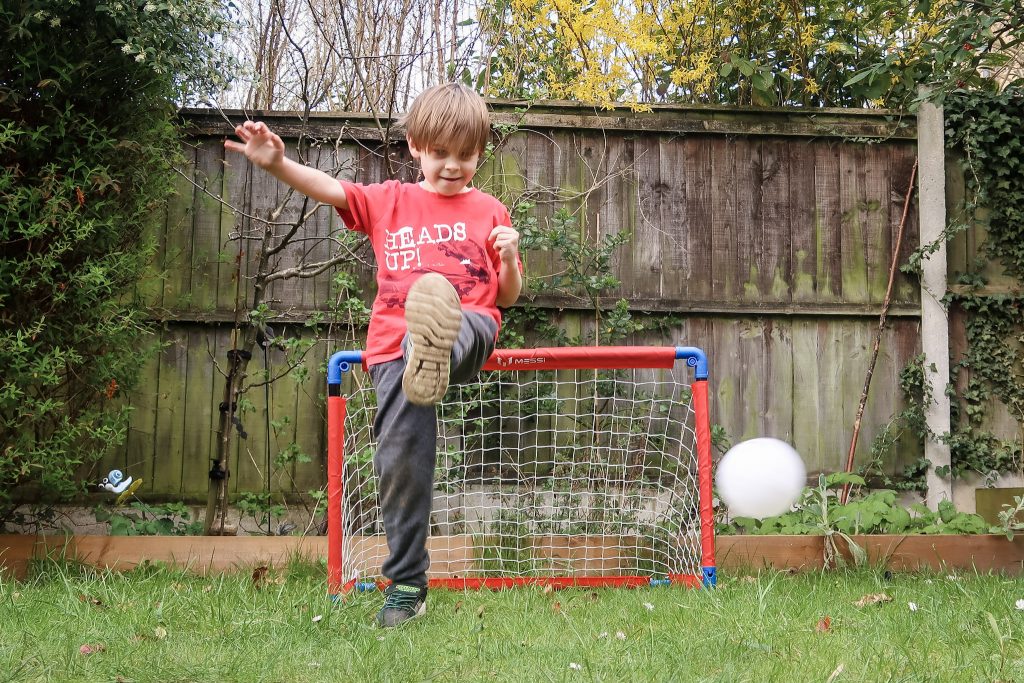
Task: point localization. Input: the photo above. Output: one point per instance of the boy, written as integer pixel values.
(446, 259)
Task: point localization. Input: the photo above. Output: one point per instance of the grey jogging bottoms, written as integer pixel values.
(407, 450)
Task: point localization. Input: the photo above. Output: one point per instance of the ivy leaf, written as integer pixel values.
(947, 511)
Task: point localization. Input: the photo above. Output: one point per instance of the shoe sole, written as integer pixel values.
(433, 316)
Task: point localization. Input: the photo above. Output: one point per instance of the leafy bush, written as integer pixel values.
(877, 512)
(169, 519)
(826, 53)
(88, 98)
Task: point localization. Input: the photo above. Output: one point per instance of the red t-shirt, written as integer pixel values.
(415, 231)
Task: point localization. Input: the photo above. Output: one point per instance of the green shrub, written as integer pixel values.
(88, 97)
(140, 519)
(819, 512)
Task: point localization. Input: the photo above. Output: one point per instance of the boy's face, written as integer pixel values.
(445, 171)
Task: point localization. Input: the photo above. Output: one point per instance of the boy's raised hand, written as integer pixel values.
(262, 146)
(505, 241)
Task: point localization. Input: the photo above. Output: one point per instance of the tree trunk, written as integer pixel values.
(217, 501)
(215, 523)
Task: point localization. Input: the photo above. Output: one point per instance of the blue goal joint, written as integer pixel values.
(710, 579)
(340, 363)
(695, 358)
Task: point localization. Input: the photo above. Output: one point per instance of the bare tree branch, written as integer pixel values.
(306, 269)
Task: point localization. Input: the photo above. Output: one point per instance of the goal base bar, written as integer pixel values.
(554, 582)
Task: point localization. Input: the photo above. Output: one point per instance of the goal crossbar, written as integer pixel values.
(624, 501)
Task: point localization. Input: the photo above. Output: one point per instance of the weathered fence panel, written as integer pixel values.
(768, 235)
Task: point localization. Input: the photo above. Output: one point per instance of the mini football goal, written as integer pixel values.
(581, 466)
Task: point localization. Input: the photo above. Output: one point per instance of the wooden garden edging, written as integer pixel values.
(207, 554)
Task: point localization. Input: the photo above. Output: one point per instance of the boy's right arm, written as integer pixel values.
(265, 148)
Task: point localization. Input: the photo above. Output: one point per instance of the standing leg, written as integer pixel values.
(404, 462)
(406, 432)
(407, 451)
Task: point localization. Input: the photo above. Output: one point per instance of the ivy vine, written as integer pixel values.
(985, 127)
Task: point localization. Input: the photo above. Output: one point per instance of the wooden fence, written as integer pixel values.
(766, 234)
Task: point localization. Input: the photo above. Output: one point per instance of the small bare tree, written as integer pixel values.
(272, 240)
(320, 55)
(349, 55)
(306, 56)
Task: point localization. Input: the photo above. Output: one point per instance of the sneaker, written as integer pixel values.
(402, 603)
(433, 315)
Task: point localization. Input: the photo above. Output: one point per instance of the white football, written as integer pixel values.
(760, 478)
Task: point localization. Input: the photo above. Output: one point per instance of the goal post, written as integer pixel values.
(569, 466)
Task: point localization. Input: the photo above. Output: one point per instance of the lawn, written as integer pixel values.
(69, 623)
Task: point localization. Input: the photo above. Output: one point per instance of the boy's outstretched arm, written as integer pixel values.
(265, 148)
(505, 241)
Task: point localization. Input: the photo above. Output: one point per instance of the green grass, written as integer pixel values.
(157, 624)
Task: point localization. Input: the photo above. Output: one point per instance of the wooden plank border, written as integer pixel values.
(205, 554)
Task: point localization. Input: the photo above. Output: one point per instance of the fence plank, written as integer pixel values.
(170, 413)
(901, 165)
(284, 403)
(149, 288)
(508, 178)
(177, 251)
(617, 216)
(724, 221)
(674, 224)
(234, 209)
(288, 293)
(697, 238)
(749, 235)
(202, 397)
(876, 215)
(311, 422)
(803, 226)
(775, 272)
(828, 225)
(726, 384)
(206, 250)
(590, 154)
(853, 228)
(808, 410)
(540, 184)
(644, 277)
(248, 472)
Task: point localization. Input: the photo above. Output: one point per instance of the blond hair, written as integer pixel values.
(448, 116)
